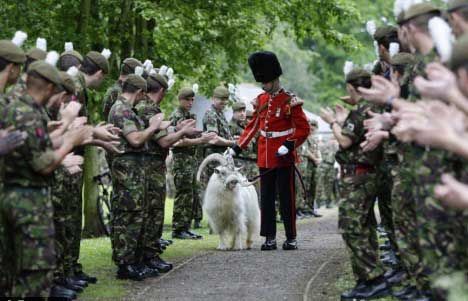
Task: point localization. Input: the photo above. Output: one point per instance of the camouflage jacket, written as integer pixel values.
(236, 128)
(110, 97)
(145, 110)
(23, 165)
(353, 128)
(122, 116)
(310, 145)
(177, 116)
(214, 121)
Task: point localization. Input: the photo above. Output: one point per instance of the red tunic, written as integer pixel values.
(276, 113)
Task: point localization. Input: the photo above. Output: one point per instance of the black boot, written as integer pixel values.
(374, 288)
(61, 292)
(196, 224)
(194, 235)
(290, 244)
(269, 244)
(351, 294)
(85, 277)
(148, 271)
(159, 264)
(181, 235)
(131, 272)
(69, 284)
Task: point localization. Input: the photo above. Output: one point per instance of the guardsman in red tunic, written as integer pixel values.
(283, 127)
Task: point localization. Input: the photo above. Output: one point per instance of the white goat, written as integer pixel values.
(230, 205)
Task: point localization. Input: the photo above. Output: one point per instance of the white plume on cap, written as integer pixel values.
(153, 72)
(41, 44)
(348, 67)
(195, 88)
(163, 70)
(398, 7)
(73, 71)
(19, 38)
(68, 46)
(106, 53)
(371, 27)
(231, 88)
(52, 58)
(408, 3)
(148, 65)
(443, 38)
(170, 83)
(170, 73)
(394, 49)
(139, 70)
(376, 48)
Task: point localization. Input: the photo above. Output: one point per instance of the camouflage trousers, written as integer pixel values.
(305, 200)
(442, 232)
(27, 242)
(357, 227)
(154, 207)
(384, 195)
(405, 221)
(128, 208)
(186, 196)
(66, 199)
(325, 179)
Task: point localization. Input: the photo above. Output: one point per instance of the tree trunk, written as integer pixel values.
(92, 225)
(85, 8)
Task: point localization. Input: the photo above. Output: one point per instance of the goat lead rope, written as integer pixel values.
(260, 175)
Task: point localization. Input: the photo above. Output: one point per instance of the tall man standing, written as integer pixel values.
(283, 127)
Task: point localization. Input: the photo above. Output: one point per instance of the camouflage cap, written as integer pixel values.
(137, 81)
(454, 5)
(357, 74)
(403, 58)
(185, 93)
(160, 79)
(11, 52)
(99, 60)
(36, 54)
(459, 53)
(67, 82)
(221, 92)
(73, 53)
(130, 63)
(47, 71)
(419, 9)
(385, 31)
(237, 106)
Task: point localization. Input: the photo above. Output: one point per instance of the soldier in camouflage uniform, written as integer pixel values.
(248, 158)
(127, 67)
(155, 157)
(310, 159)
(129, 198)
(26, 206)
(326, 175)
(358, 193)
(184, 170)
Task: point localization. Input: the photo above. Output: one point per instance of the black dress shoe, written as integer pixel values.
(131, 272)
(69, 284)
(181, 235)
(290, 244)
(61, 292)
(194, 235)
(85, 277)
(269, 245)
(158, 264)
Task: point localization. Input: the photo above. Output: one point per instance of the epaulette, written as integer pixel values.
(293, 100)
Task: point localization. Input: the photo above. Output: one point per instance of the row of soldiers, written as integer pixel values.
(402, 145)
(44, 132)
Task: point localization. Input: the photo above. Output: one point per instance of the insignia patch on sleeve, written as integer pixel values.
(350, 127)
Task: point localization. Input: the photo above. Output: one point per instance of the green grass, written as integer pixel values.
(96, 257)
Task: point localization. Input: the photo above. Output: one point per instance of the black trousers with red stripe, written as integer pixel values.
(278, 181)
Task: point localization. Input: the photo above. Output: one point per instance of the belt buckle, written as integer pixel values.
(269, 135)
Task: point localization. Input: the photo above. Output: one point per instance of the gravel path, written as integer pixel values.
(306, 274)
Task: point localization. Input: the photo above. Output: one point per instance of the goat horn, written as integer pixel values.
(211, 158)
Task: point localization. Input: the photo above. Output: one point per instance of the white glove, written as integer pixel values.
(282, 150)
